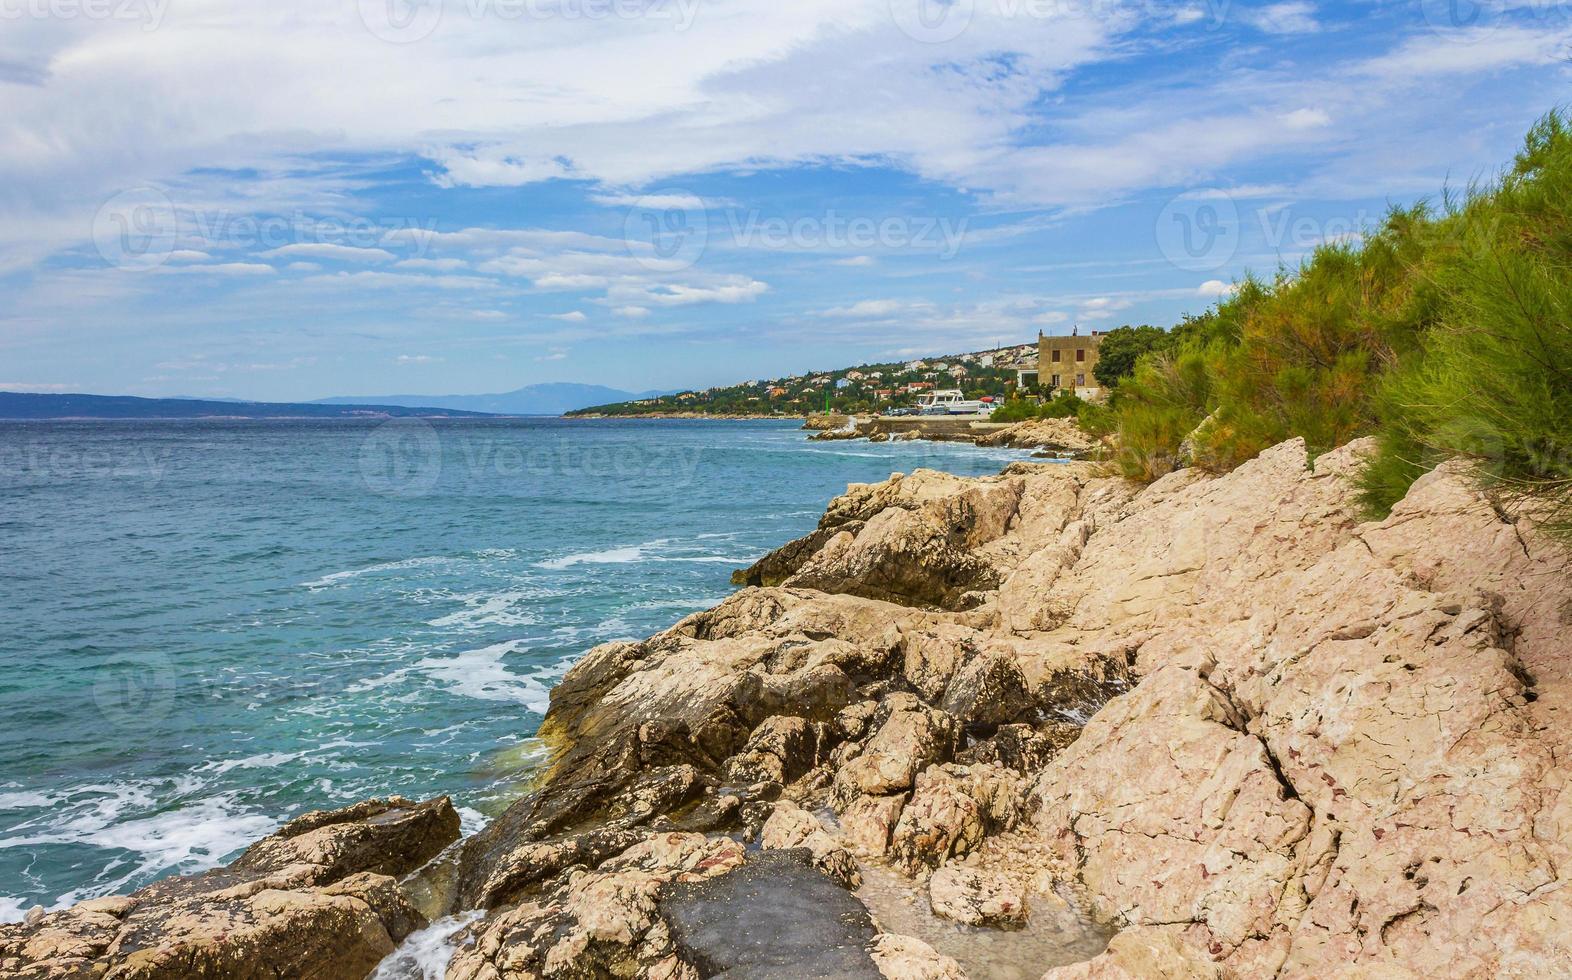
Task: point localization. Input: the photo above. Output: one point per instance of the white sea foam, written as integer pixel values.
(389, 566)
(611, 556)
(425, 954)
(191, 838)
(266, 760)
(483, 609)
(471, 821)
(481, 674)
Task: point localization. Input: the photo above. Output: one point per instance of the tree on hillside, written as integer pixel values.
(1122, 347)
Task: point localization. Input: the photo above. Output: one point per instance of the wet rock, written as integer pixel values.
(777, 918)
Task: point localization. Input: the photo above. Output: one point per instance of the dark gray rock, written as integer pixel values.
(775, 918)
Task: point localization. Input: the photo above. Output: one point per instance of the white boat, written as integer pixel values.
(949, 401)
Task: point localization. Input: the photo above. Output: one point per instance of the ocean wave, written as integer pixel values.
(483, 609)
(610, 556)
(482, 675)
(334, 578)
(191, 838)
(425, 954)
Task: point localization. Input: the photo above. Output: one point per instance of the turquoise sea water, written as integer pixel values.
(209, 627)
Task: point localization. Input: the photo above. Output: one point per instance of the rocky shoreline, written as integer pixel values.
(1062, 437)
(1215, 718)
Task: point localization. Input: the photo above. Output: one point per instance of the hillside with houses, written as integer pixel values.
(860, 389)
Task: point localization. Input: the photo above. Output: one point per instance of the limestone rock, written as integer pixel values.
(907, 742)
(976, 898)
(909, 958)
(868, 822)
(1141, 954)
(790, 826)
(988, 692)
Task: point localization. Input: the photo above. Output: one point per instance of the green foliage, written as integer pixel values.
(1022, 409)
(1445, 332)
(1121, 347)
(1492, 381)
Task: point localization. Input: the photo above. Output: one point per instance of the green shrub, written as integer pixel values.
(1445, 332)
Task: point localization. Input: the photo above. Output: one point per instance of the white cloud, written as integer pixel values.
(631, 312)
(572, 316)
(220, 269)
(1294, 17)
(430, 265)
(330, 252)
(416, 359)
(1215, 288)
(856, 262)
(1307, 118)
(868, 308)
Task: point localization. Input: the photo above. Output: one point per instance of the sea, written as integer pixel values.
(209, 627)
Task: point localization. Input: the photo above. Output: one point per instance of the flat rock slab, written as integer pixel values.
(775, 918)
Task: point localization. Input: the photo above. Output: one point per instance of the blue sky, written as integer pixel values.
(310, 198)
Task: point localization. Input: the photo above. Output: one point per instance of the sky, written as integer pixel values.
(306, 198)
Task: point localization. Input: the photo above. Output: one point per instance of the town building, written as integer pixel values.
(1064, 362)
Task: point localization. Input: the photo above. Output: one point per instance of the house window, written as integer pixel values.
(1056, 381)
(1080, 380)
(1056, 356)
(1080, 353)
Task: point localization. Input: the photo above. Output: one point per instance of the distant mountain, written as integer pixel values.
(544, 399)
(18, 405)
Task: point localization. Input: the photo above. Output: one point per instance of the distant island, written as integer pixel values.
(38, 407)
